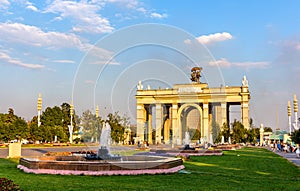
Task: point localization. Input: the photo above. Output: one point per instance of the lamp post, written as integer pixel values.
(97, 124)
(71, 125)
(39, 108)
(296, 111)
(97, 111)
(289, 116)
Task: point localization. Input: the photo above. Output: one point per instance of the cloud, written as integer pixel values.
(289, 51)
(34, 36)
(31, 7)
(89, 82)
(224, 63)
(187, 41)
(4, 4)
(83, 13)
(6, 58)
(217, 37)
(65, 61)
(130, 4)
(158, 15)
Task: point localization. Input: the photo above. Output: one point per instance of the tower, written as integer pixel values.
(289, 116)
(296, 111)
(71, 125)
(39, 108)
(97, 111)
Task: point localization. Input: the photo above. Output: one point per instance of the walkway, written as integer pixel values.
(289, 156)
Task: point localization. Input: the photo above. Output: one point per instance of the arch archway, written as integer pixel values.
(179, 113)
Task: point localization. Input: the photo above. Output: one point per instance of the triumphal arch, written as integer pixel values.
(165, 115)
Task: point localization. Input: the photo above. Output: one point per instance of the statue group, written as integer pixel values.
(195, 74)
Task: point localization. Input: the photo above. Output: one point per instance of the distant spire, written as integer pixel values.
(39, 104)
(97, 111)
(295, 104)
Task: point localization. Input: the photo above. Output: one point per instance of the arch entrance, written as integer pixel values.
(165, 115)
(189, 121)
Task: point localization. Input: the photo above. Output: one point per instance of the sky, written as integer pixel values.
(94, 52)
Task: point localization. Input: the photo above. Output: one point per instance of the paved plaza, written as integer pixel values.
(30, 152)
(26, 152)
(290, 156)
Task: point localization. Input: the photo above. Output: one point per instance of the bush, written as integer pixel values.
(6, 184)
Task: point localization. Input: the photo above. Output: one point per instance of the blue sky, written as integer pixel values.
(44, 46)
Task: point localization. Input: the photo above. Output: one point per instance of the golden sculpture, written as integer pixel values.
(195, 75)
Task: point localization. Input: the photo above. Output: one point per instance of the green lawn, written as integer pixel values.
(245, 169)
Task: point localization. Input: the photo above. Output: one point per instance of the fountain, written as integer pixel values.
(102, 163)
(103, 151)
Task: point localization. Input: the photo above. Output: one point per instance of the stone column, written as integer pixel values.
(245, 111)
(167, 131)
(140, 122)
(261, 135)
(245, 103)
(150, 126)
(158, 122)
(224, 113)
(175, 127)
(205, 122)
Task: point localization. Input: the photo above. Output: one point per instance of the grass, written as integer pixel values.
(245, 169)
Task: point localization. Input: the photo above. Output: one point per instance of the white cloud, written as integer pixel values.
(130, 4)
(223, 62)
(4, 4)
(187, 41)
(83, 13)
(208, 39)
(31, 7)
(158, 15)
(34, 36)
(65, 61)
(6, 58)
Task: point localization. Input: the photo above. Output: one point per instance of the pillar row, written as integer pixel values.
(158, 122)
(140, 117)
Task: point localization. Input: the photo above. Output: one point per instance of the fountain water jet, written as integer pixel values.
(103, 151)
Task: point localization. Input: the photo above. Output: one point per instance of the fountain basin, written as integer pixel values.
(76, 165)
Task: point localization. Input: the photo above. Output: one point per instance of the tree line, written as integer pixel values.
(54, 123)
(237, 133)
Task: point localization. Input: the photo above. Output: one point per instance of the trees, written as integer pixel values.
(12, 127)
(296, 136)
(91, 125)
(54, 122)
(239, 133)
(196, 134)
(35, 133)
(216, 132)
(225, 132)
(118, 125)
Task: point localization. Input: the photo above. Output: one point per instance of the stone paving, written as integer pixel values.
(291, 157)
(40, 151)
